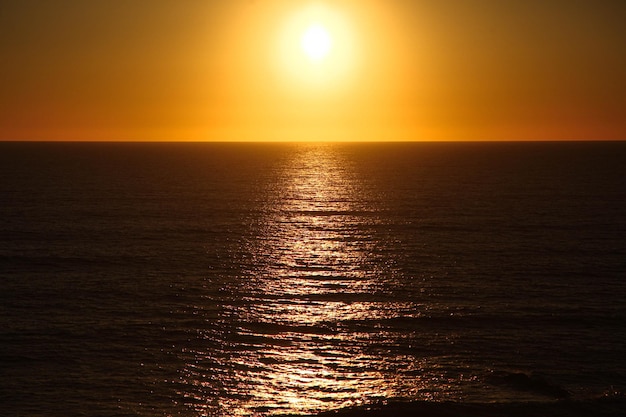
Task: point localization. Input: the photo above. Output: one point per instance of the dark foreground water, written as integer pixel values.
(264, 279)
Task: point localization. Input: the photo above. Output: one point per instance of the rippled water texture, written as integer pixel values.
(304, 319)
(236, 280)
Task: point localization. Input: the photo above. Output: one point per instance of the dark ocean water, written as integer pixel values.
(241, 279)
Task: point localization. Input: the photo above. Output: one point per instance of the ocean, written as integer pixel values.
(240, 279)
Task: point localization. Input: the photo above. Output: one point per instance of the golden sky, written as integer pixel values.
(236, 70)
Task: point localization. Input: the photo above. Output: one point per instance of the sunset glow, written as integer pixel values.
(316, 50)
(312, 70)
(271, 208)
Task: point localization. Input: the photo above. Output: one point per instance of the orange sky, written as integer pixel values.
(232, 70)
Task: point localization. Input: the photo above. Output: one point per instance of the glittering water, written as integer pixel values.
(315, 280)
(225, 280)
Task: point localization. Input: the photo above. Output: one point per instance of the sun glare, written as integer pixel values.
(316, 42)
(316, 49)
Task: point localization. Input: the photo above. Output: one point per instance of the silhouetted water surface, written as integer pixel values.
(232, 279)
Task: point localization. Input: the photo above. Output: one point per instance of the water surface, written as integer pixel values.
(231, 279)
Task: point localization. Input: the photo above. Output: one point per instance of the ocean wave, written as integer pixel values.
(609, 405)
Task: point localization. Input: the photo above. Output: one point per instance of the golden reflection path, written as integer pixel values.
(305, 333)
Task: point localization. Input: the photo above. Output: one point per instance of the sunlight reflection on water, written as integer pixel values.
(305, 330)
(232, 279)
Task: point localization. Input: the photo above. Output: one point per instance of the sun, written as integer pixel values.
(316, 42)
(315, 52)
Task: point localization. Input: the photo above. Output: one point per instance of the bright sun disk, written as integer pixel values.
(316, 42)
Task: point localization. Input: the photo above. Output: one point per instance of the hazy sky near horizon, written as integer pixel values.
(231, 70)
